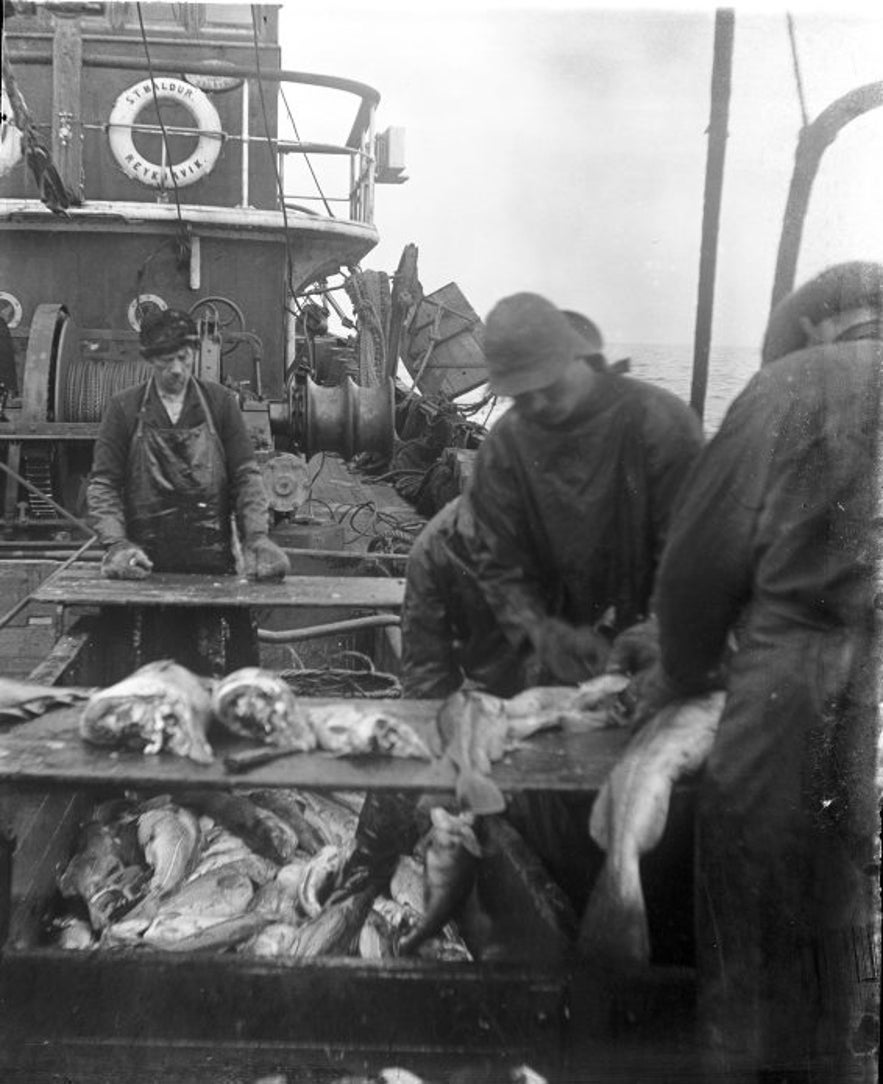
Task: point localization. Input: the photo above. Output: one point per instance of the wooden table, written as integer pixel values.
(83, 585)
(49, 750)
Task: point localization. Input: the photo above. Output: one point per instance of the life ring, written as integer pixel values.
(125, 113)
(10, 136)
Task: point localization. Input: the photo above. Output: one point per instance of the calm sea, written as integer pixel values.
(729, 370)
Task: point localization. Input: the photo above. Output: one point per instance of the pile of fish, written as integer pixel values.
(164, 707)
(262, 873)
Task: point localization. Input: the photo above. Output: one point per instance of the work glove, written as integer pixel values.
(635, 649)
(570, 653)
(264, 560)
(650, 692)
(125, 561)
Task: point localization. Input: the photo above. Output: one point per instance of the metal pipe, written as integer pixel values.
(714, 179)
(245, 144)
(239, 71)
(814, 140)
(290, 636)
(195, 262)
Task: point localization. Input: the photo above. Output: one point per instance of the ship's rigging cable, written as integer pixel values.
(306, 157)
(795, 60)
(184, 239)
(289, 259)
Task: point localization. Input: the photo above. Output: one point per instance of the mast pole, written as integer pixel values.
(714, 179)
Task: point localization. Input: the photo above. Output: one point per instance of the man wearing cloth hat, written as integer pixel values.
(572, 492)
(173, 460)
(573, 489)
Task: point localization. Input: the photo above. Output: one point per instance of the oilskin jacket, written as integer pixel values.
(571, 521)
(170, 488)
(777, 538)
(449, 634)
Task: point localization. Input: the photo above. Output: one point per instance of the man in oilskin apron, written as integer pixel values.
(778, 538)
(173, 461)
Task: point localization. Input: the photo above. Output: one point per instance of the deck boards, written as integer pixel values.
(50, 751)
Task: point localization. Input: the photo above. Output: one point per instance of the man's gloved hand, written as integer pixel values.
(264, 560)
(570, 653)
(125, 561)
(635, 649)
(649, 692)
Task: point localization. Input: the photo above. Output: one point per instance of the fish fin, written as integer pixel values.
(613, 929)
(479, 794)
(599, 818)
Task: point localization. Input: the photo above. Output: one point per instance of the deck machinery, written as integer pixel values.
(141, 167)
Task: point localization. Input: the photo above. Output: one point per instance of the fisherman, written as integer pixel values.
(173, 460)
(777, 543)
(572, 494)
(449, 633)
(573, 489)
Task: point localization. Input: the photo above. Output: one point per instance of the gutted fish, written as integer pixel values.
(101, 876)
(451, 864)
(335, 821)
(278, 901)
(169, 836)
(198, 905)
(628, 819)
(274, 939)
(319, 880)
(221, 849)
(258, 704)
(406, 884)
(290, 805)
(221, 935)
(593, 703)
(161, 706)
(358, 730)
(377, 938)
(26, 700)
(70, 932)
(335, 930)
(269, 838)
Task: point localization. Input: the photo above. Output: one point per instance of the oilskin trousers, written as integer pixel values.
(788, 871)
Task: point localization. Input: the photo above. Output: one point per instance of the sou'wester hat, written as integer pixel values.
(528, 344)
(166, 331)
(856, 284)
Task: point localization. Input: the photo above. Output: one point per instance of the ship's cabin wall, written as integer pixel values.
(175, 32)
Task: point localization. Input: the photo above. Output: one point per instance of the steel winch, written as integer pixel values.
(69, 375)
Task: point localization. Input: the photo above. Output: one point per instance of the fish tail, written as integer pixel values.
(479, 794)
(613, 929)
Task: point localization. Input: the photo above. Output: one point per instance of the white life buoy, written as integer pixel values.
(10, 136)
(125, 113)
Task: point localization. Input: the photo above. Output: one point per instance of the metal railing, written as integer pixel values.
(358, 146)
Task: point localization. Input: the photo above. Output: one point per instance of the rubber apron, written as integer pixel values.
(177, 494)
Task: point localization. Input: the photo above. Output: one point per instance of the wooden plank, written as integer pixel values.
(60, 665)
(49, 750)
(83, 585)
(396, 1005)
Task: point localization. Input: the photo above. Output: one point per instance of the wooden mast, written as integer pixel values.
(714, 177)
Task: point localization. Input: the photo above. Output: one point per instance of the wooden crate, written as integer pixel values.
(144, 1015)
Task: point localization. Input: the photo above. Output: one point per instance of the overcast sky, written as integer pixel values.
(561, 148)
